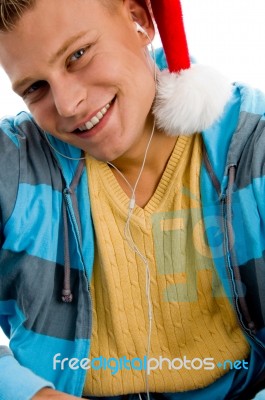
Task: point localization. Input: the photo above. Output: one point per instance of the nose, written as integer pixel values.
(69, 96)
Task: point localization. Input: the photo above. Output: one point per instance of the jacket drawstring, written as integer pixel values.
(67, 296)
(210, 171)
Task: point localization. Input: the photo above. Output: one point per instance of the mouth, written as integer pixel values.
(95, 119)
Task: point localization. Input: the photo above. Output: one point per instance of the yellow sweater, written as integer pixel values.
(192, 317)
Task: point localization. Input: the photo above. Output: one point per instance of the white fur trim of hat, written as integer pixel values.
(190, 97)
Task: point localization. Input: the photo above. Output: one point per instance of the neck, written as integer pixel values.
(130, 165)
(158, 150)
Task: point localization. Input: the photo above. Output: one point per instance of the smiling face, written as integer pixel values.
(83, 72)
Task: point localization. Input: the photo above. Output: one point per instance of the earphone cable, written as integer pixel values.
(128, 235)
(61, 154)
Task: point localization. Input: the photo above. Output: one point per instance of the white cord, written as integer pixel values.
(61, 154)
(130, 241)
(128, 235)
(154, 56)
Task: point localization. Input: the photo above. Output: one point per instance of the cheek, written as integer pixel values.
(44, 114)
(122, 68)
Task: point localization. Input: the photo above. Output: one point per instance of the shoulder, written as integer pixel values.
(238, 132)
(13, 129)
(25, 158)
(246, 150)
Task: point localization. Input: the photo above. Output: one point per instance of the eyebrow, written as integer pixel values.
(62, 50)
(20, 83)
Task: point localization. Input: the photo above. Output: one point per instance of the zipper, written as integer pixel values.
(224, 197)
(227, 259)
(230, 273)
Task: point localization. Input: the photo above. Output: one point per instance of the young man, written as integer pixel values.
(173, 307)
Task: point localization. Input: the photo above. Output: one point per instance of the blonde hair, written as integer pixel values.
(11, 11)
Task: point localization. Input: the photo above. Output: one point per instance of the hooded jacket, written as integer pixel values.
(45, 222)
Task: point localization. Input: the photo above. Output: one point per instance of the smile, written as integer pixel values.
(95, 119)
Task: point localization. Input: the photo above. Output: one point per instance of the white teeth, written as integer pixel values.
(99, 115)
(95, 120)
(88, 125)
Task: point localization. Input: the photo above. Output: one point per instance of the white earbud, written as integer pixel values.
(139, 28)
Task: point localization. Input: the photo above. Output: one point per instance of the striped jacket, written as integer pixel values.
(45, 219)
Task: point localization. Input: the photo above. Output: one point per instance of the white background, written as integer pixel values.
(227, 34)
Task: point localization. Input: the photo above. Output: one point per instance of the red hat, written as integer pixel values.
(190, 97)
(168, 16)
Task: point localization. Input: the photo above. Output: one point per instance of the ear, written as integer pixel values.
(139, 12)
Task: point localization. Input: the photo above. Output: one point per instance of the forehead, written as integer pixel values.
(49, 25)
(47, 12)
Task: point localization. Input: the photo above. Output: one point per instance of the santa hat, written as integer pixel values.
(190, 98)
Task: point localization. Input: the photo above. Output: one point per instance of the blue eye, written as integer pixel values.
(34, 87)
(78, 54)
